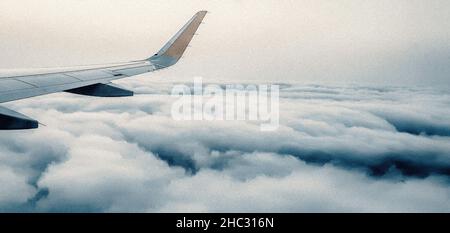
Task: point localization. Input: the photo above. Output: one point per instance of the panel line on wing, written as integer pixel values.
(25, 82)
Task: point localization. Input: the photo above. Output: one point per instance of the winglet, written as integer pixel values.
(172, 51)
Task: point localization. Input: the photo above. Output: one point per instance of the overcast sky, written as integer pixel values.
(402, 42)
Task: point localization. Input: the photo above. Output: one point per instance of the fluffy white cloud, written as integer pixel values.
(337, 149)
(14, 188)
(271, 183)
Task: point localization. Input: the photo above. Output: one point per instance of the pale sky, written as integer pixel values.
(402, 42)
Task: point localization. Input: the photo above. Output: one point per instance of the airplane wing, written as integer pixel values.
(92, 81)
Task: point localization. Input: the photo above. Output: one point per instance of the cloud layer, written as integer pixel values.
(349, 148)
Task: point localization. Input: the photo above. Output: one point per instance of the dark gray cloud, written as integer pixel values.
(349, 148)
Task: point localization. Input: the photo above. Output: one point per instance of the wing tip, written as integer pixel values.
(172, 51)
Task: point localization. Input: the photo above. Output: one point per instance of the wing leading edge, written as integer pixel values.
(93, 81)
